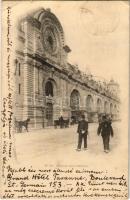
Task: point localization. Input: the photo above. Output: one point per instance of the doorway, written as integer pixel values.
(49, 114)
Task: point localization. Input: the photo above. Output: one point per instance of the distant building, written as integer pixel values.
(47, 86)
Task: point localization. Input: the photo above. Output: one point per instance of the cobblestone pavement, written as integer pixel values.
(58, 146)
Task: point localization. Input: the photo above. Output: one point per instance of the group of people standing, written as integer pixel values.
(104, 128)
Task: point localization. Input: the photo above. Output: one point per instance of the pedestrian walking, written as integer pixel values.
(105, 128)
(83, 132)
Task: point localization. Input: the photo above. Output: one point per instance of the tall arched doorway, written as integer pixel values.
(49, 93)
(49, 114)
(75, 105)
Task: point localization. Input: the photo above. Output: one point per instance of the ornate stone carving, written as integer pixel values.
(50, 38)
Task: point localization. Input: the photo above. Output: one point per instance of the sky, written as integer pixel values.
(97, 33)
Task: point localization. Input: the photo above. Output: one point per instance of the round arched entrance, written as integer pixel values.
(75, 105)
(49, 96)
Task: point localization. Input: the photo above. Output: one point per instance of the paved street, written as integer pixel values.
(56, 146)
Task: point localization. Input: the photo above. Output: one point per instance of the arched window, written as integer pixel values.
(49, 89)
(115, 109)
(106, 107)
(19, 69)
(99, 105)
(89, 103)
(111, 108)
(75, 100)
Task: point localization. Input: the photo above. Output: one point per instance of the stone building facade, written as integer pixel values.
(47, 86)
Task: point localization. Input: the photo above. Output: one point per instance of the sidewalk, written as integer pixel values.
(52, 145)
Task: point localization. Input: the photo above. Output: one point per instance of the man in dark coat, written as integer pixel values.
(105, 128)
(83, 132)
(61, 122)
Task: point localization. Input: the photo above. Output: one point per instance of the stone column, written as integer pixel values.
(25, 90)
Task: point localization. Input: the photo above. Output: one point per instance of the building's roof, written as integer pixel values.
(102, 87)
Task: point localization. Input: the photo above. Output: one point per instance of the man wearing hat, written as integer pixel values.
(105, 128)
(83, 132)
